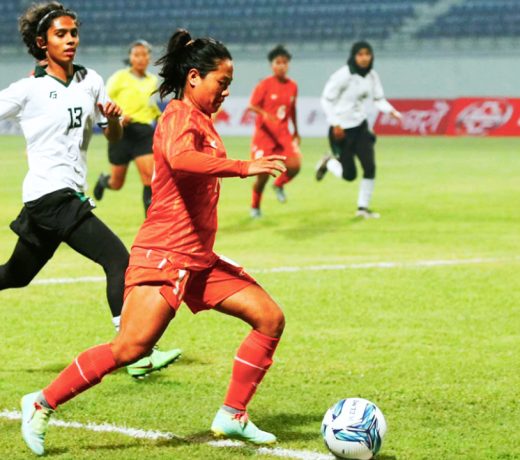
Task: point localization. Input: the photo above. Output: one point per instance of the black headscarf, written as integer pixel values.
(351, 62)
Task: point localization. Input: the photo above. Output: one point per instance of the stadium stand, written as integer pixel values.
(476, 19)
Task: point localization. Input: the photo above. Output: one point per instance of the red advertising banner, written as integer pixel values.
(453, 117)
(484, 117)
(424, 117)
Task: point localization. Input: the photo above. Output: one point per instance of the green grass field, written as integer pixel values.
(436, 347)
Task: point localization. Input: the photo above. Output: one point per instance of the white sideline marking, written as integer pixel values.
(335, 267)
(155, 435)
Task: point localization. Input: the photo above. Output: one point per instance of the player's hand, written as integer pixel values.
(397, 115)
(270, 117)
(127, 119)
(110, 110)
(267, 165)
(338, 133)
(297, 138)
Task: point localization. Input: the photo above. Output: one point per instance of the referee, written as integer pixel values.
(344, 101)
(132, 89)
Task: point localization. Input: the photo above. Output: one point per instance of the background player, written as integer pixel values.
(132, 89)
(274, 102)
(345, 100)
(172, 257)
(56, 109)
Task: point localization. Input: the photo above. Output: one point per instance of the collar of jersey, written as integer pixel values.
(40, 71)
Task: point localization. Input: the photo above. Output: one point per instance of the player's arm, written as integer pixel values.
(336, 84)
(11, 100)
(294, 120)
(380, 101)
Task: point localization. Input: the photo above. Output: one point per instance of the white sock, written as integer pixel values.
(116, 321)
(334, 166)
(365, 192)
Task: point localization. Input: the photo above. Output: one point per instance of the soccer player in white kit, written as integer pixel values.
(57, 108)
(344, 101)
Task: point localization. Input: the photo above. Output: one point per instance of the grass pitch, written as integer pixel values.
(436, 347)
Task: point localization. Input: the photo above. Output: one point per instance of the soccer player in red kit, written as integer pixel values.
(172, 258)
(274, 102)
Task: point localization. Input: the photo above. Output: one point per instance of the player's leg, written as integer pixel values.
(228, 289)
(93, 239)
(25, 263)
(252, 361)
(258, 190)
(119, 155)
(293, 164)
(144, 164)
(145, 317)
(341, 163)
(366, 154)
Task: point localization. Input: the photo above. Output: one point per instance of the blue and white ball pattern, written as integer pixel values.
(354, 428)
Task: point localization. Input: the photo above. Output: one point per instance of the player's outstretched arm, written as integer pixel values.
(112, 112)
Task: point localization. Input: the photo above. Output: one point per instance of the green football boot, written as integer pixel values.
(35, 420)
(156, 361)
(238, 426)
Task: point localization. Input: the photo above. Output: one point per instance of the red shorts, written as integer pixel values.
(200, 290)
(286, 146)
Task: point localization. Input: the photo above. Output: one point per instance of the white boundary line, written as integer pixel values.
(156, 435)
(330, 267)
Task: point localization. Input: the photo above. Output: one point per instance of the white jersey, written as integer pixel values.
(57, 120)
(347, 97)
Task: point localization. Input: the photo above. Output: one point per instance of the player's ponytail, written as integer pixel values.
(35, 22)
(184, 53)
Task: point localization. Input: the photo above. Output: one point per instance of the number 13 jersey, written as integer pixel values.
(56, 118)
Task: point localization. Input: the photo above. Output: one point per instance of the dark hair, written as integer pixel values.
(140, 42)
(183, 54)
(35, 22)
(278, 50)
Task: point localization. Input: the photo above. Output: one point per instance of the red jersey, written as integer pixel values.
(181, 223)
(278, 99)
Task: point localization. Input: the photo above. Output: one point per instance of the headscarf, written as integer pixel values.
(351, 62)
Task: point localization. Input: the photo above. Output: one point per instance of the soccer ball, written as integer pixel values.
(354, 428)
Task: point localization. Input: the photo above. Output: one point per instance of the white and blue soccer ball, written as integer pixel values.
(354, 428)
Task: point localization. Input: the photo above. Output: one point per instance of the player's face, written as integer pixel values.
(62, 40)
(208, 93)
(363, 58)
(280, 66)
(139, 58)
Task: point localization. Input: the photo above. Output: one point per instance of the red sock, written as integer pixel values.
(253, 359)
(282, 179)
(86, 371)
(257, 197)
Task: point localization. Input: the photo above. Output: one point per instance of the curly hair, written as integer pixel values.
(35, 22)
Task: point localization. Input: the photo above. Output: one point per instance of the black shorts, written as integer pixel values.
(51, 218)
(137, 140)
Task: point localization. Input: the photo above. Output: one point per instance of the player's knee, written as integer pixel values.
(273, 323)
(116, 183)
(127, 353)
(349, 175)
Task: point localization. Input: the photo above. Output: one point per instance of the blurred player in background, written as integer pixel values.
(172, 258)
(56, 108)
(345, 98)
(132, 89)
(274, 102)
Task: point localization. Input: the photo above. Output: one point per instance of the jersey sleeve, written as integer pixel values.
(12, 99)
(101, 97)
(336, 84)
(379, 98)
(257, 98)
(183, 141)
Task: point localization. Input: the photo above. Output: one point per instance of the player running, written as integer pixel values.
(132, 89)
(274, 102)
(172, 258)
(56, 108)
(344, 101)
